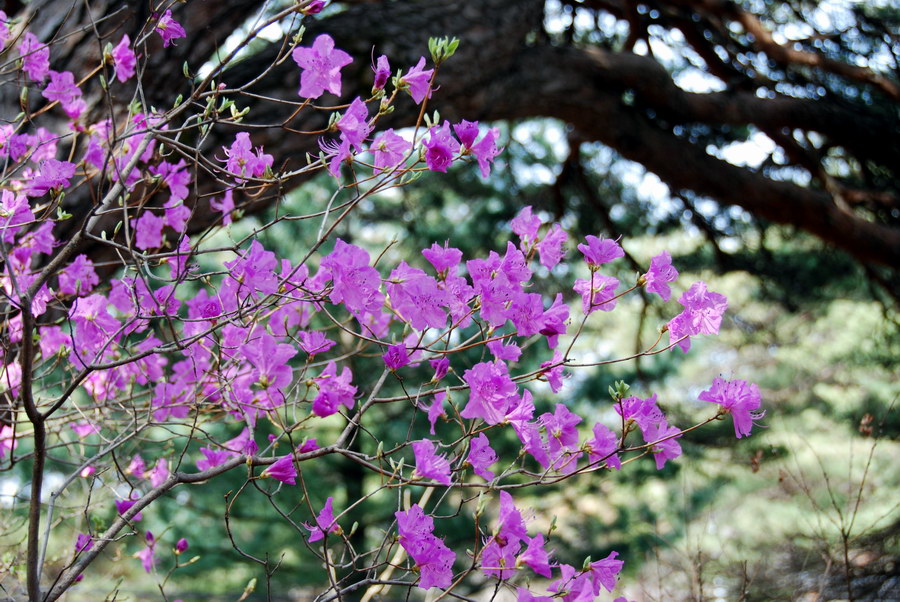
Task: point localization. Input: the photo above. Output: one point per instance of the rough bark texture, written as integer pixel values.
(508, 67)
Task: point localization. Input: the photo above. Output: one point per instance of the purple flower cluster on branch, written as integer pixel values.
(223, 345)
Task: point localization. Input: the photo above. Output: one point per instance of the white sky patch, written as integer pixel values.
(698, 81)
(751, 153)
(9, 489)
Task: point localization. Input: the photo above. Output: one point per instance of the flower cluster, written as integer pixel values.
(247, 341)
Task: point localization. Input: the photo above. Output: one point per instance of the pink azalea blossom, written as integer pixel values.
(660, 274)
(334, 391)
(597, 293)
(83, 543)
(35, 57)
(551, 249)
(124, 60)
(321, 65)
(148, 231)
(396, 357)
(417, 81)
(382, 69)
(62, 89)
(148, 554)
(282, 470)
(83, 429)
(603, 446)
(7, 440)
(535, 556)
(325, 523)
(482, 457)
(702, 314)
(53, 174)
(433, 558)
(738, 398)
(440, 147)
(314, 342)
(428, 464)
(225, 206)
(169, 29)
(389, 150)
(599, 251)
(79, 277)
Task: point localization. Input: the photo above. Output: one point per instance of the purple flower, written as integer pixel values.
(535, 556)
(14, 212)
(282, 470)
(396, 357)
(666, 450)
(603, 572)
(334, 391)
(702, 314)
(738, 398)
(314, 342)
(355, 282)
(325, 523)
(148, 554)
(160, 473)
(507, 353)
(124, 60)
(597, 293)
(225, 206)
(79, 277)
(321, 65)
(440, 148)
(428, 464)
(314, 7)
(492, 392)
(440, 366)
(444, 259)
(482, 457)
(83, 429)
(431, 555)
(123, 506)
(562, 434)
(436, 409)
(526, 225)
(7, 440)
(499, 560)
(4, 30)
(552, 248)
(148, 231)
(169, 29)
(382, 69)
(354, 123)
(417, 81)
(35, 56)
(83, 543)
(388, 150)
(599, 251)
(467, 132)
(62, 89)
(269, 359)
(485, 150)
(417, 298)
(175, 177)
(661, 272)
(602, 447)
(181, 546)
(53, 174)
(554, 373)
(242, 161)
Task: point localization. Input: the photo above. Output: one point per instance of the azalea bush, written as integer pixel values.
(142, 356)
